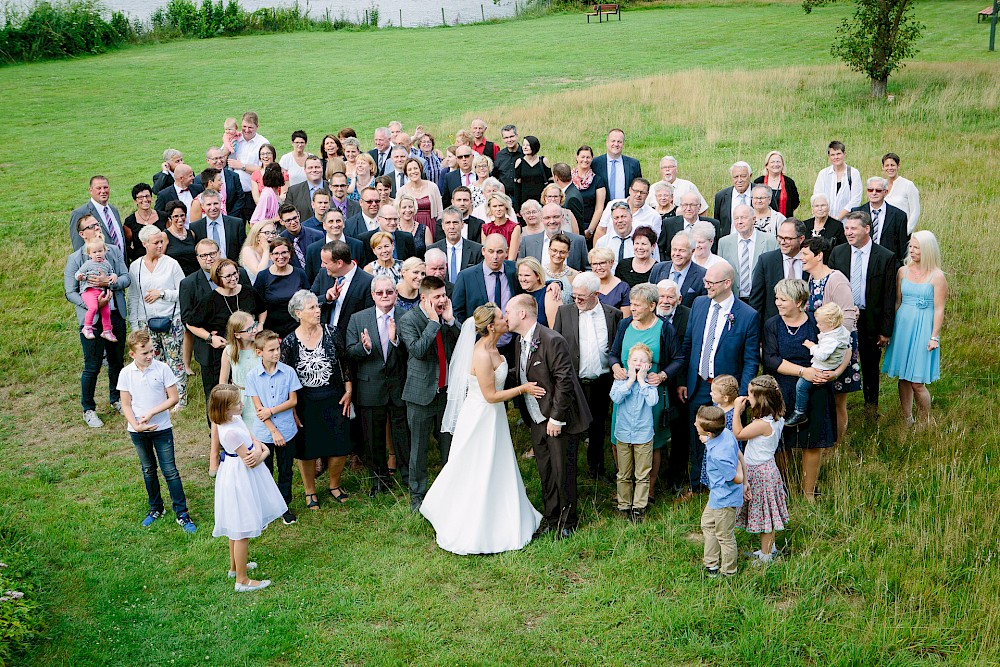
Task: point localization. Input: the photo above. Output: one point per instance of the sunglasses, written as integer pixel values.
(384, 292)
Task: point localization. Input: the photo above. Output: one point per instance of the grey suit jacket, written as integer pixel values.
(532, 244)
(88, 209)
(729, 250)
(419, 335)
(72, 285)
(379, 380)
(298, 195)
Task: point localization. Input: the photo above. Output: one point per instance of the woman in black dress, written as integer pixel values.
(144, 215)
(635, 270)
(317, 354)
(531, 172)
(784, 193)
(276, 286)
(821, 224)
(592, 188)
(229, 296)
(180, 241)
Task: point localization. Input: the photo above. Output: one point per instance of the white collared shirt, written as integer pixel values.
(613, 241)
(147, 389)
(720, 326)
(370, 223)
(646, 216)
(338, 306)
(593, 343)
(736, 200)
(248, 152)
(785, 259)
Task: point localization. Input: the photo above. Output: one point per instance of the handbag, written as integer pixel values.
(156, 324)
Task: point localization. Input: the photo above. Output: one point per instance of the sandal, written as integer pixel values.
(312, 504)
(339, 496)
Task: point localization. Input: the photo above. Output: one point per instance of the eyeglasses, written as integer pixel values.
(789, 239)
(384, 292)
(138, 197)
(639, 192)
(91, 227)
(294, 218)
(369, 201)
(560, 253)
(580, 299)
(269, 232)
(463, 157)
(619, 204)
(207, 255)
(875, 190)
(179, 216)
(229, 276)
(388, 219)
(280, 253)
(713, 283)
(338, 185)
(250, 328)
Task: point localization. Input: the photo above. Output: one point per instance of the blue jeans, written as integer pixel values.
(803, 390)
(153, 446)
(93, 356)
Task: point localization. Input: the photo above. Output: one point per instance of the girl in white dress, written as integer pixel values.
(246, 497)
(477, 504)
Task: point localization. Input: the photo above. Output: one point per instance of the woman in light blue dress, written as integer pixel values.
(914, 354)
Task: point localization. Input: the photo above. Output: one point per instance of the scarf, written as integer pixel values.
(584, 182)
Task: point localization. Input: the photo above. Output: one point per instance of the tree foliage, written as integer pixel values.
(876, 39)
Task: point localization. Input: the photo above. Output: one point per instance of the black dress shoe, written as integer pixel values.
(544, 528)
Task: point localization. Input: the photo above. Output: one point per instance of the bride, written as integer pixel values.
(477, 504)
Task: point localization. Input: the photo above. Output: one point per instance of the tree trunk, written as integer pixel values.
(878, 87)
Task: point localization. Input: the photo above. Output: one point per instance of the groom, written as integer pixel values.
(541, 355)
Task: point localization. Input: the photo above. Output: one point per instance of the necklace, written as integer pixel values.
(225, 298)
(790, 330)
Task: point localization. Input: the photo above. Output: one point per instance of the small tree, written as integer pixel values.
(876, 39)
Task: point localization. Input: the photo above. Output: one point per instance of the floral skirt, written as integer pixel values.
(167, 348)
(850, 380)
(767, 509)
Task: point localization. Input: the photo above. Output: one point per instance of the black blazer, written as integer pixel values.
(193, 296)
(574, 203)
(298, 195)
(567, 323)
(355, 226)
(473, 226)
(314, 259)
(694, 281)
(405, 248)
(724, 209)
(388, 163)
(357, 298)
(169, 194)
(379, 381)
(880, 288)
(236, 198)
(793, 196)
(894, 235)
(769, 270)
(448, 183)
(236, 234)
(680, 321)
(676, 224)
(472, 253)
(833, 230)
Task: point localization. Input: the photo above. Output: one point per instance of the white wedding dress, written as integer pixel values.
(477, 504)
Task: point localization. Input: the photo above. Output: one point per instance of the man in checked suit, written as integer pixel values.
(430, 332)
(373, 343)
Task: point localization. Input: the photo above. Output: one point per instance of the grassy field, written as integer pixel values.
(896, 565)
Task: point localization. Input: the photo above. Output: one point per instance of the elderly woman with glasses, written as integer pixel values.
(765, 218)
(276, 285)
(315, 351)
(821, 224)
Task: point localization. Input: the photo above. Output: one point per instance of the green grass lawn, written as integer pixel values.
(897, 564)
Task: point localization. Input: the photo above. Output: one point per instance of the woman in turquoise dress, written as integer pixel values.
(914, 352)
(645, 327)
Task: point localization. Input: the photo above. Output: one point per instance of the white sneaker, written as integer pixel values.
(250, 566)
(246, 588)
(93, 421)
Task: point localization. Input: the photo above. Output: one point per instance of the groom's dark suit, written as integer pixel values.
(550, 364)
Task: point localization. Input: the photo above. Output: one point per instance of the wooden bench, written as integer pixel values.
(985, 14)
(601, 11)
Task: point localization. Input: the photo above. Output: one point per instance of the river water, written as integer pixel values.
(414, 13)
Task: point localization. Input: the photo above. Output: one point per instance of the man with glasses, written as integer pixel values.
(537, 245)
(366, 219)
(301, 194)
(688, 207)
(388, 222)
(889, 224)
(194, 294)
(95, 349)
(100, 209)
(338, 197)
(228, 232)
(301, 237)
(506, 158)
(333, 225)
(785, 262)
(642, 215)
(232, 192)
(589, 328)
(374, 345)
(721, 339)
(457, 177)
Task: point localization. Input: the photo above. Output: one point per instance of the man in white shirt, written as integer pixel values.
(642, 215)
(668, 172)
(399, 156)
(460, 252)
(743, 248)
(246, 159)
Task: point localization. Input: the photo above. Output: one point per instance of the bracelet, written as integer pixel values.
(935, 339)
(800, 371)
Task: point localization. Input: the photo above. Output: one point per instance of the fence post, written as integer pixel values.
(400, 17)
(443, 22)
(483, 10)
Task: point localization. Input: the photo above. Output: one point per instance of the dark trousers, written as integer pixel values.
(423, 421)
(680, 435)
(210, 375)
(556, 461)
(871, 360)
(93, 356)
(373, 421)
(598, 393)
(153, 447)
(696, 449)
(286, 461)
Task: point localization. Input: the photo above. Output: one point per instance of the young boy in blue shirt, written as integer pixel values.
(635, 399)
(725, 490)
(272, 386)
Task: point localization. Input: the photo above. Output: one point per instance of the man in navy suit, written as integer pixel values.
(227, 231)
(341, 287)
(366, 219)
(183, 190)
(333, 225)
(772, 266)
(494, 280)
(231, 191)
(383, 165)
(461, 198)
(456, 177)
(721, 339)
(320, 205)
(617, 170)
(301, 194)
(460, 253)
(889, 223)
(681, 270)
(301, 237)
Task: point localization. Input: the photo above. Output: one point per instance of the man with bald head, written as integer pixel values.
(232, 192)
(721, 339)
(743, 248)
(495, 280)
(388, 222)
(479, 143)
(183, 190)
(537, 245)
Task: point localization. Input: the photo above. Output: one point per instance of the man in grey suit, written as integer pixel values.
(430, 333)
(460, 253)
(374, 345)
(301, 194)
(105, 214)
(96, 349)
(537, 245)
(742, 248)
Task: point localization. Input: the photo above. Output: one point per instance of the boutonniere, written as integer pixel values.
(533, 346)
(730, 318)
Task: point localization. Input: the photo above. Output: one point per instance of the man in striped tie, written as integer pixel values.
(103, 211)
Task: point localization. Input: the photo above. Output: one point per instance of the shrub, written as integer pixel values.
(20, 619)
(60, 30)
